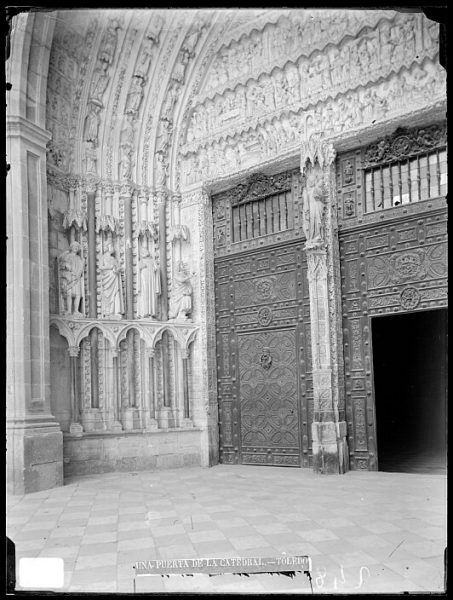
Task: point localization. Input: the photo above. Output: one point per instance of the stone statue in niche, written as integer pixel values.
(99, 82)
(90, 158)
(134, 96)
(71, 281)
(161, 170)
(112, 289)
(181, 301)
(314, 202)
(91, 129)
(108, 46)
(142, 68)
(125, 164)
(149, 287)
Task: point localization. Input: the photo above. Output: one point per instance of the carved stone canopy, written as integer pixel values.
(315, 149)
(406, 142)
(259, 186)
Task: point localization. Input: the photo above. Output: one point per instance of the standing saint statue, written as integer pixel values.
(148, 285)
(181, 301)
(314, 199)
(112, 291)
(71, 282)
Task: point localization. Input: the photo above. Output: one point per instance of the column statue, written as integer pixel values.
(181, 301)
(112, 290)
(148, 285)
(314, 201)
(71, 281)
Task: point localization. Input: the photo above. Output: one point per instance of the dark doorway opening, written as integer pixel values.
(410, 383)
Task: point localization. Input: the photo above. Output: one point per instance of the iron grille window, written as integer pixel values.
(261, 217)
(409, 180)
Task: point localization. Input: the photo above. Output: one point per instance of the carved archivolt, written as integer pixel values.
(411, 89)
(298, 32)
(376, 53)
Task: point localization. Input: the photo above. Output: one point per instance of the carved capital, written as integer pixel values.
(150, 352)
(73, 351)
(316, 150)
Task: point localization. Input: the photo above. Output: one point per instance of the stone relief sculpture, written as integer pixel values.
(71, 281)
(112, 289)
(109, 42)
(134, 97)
(146, 52)
(181, 300)
(99, 82)
(314, 202)
(149, 287)
(92, 121)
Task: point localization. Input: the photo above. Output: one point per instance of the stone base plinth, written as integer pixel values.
(109, 452)
(93, 420)
(165, 418)
(34, 456)
(131, 418)
(75, 429)
(330, 447)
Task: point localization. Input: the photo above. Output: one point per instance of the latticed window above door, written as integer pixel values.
(267, 215)
(407, 167)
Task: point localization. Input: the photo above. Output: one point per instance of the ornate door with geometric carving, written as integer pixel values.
(393, 255)
(263, 326)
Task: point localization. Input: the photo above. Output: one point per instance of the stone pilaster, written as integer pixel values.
(196, 213)
(330, 450)
(35, 441)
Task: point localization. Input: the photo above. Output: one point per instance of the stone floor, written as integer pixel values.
(365, 532)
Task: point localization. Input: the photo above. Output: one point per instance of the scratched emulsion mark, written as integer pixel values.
(322, 582)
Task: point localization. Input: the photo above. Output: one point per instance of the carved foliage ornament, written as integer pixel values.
(259, 186)
(316, 150)
(406, 142)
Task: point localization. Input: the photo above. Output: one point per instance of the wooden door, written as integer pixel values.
(263, 329)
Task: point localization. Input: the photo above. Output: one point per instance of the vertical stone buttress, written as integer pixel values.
(330, 449)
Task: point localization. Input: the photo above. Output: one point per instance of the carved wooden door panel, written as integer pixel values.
(393, 256)
(263, 332)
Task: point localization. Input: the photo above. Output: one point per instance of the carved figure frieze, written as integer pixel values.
(358, 108)
(316, 77)
(71, 281)
(149, 285)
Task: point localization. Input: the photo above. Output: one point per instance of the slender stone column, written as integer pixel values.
(150, 405)
(161, 197)
(91, 218)
(186, 421)
(75, 427)
(330, 450)
(126, 194)
(116, 426)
